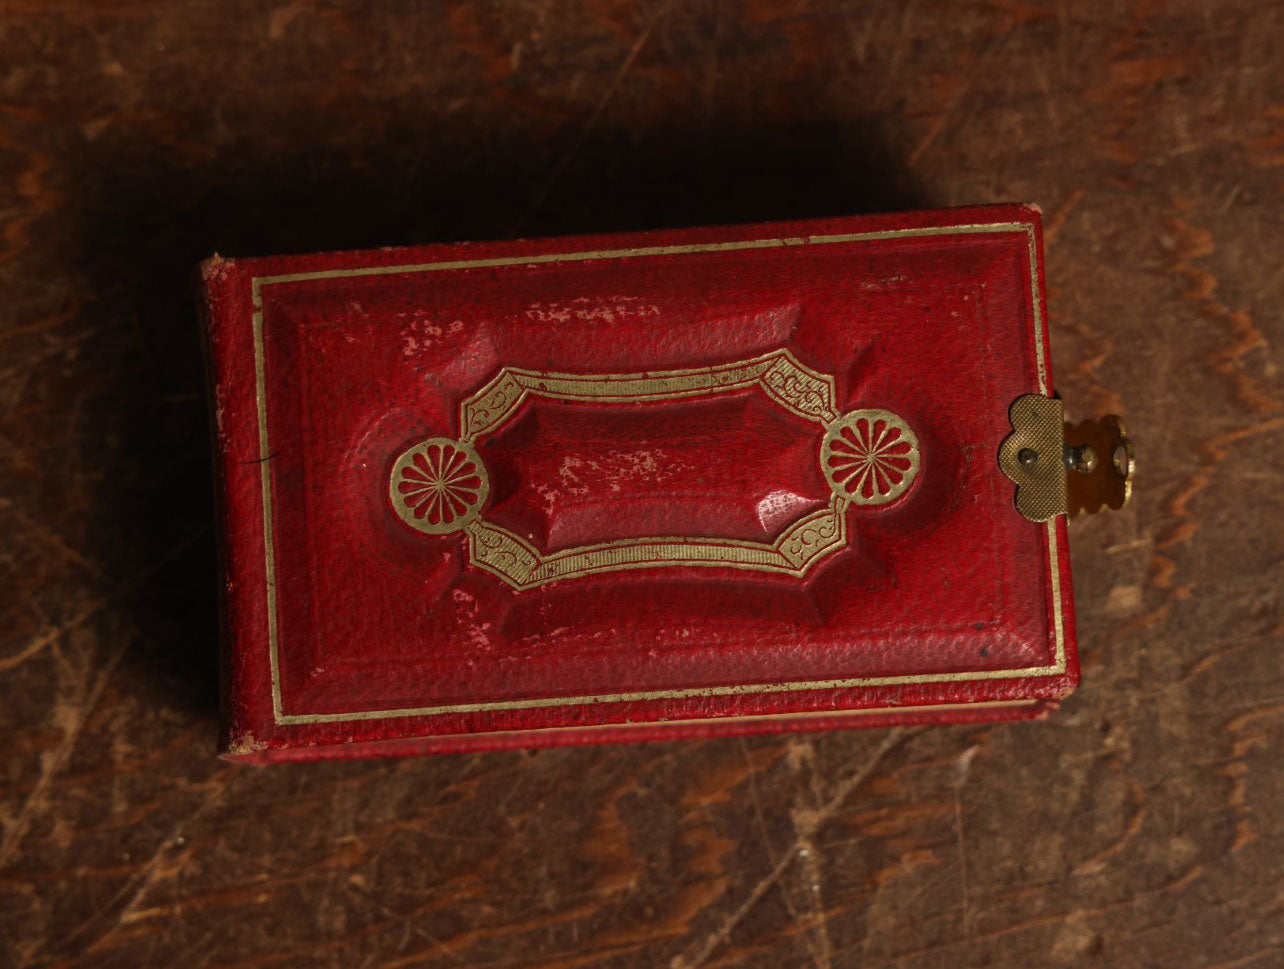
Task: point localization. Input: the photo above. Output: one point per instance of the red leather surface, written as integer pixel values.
(350, 633)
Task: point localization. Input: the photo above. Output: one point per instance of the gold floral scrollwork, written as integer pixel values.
(868, 457)
(438, 486)
(814, 536)
(801, 390)
(790, 384)
(499, 551)
(519, 563)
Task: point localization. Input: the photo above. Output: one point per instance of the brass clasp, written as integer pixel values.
(1061, 468)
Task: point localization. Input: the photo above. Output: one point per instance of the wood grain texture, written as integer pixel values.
(1138, 828)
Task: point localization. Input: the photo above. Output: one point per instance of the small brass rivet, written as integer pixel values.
(1082, 459)
(1122, 461)
(1028, 457)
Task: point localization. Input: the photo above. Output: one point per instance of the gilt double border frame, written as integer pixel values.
(259, 283)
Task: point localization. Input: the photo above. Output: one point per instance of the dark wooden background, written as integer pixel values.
(1140, 827)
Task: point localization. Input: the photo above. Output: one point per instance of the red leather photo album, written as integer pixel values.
(665, 484)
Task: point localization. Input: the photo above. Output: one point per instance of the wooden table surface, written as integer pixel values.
(1139, 827)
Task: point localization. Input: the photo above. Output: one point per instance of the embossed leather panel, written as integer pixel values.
(669, 483)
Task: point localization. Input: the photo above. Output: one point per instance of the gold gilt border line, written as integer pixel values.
(257, 284)
(633, 726)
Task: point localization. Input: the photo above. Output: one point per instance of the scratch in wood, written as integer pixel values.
(971, 71)
(52, 765)
(962, 767)
(1192, 243)
(1213, 453)
(51, 539)
(802, 755)
(41, 642)
(1246, 740)
(1058, 218)
(808, 823)
(1044, 921)
(809, 856)
(153, 870)
(1132, 826)
(591, 121)
(1246, 960)
(766, 842)
(711, 76)
(757, 803)
(720, 935)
